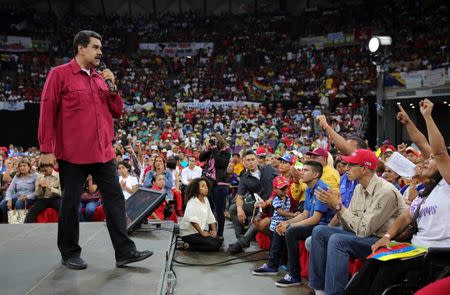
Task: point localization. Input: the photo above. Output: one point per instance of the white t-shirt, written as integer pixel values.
(199, 213)
(433, 221)
(187, 174)
(130, 182)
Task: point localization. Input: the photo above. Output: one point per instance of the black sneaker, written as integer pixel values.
(74, 263)
(235, 248)
(265, 270)
(133, 256)
(288, 281)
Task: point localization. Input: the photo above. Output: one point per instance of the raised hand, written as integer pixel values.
(402, 116)
(426, 107)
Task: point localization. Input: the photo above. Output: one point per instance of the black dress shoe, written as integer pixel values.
(74, 263)
(133, 256)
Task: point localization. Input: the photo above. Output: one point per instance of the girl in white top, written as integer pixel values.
(128, 183)
(198, 227)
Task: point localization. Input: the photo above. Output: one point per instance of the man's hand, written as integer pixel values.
(402, 148)
(322, 121)
(44, 183)
(329, 197)
(47, 159)
(402, 116)
(426, 107)
(108, 75)
(241, 215)
(281, 228)
(23, 198)
(383, 242)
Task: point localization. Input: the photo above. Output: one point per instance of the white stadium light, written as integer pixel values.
(377, 41)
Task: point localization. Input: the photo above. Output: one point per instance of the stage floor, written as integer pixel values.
(229, 279)
(30, 262)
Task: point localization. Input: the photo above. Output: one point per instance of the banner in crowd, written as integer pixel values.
(329, 40)
(15, 43)
(12, 106)
(176, 49)
(216, 104)
(417, 79)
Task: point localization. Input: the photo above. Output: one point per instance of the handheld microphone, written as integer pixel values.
(111, 87)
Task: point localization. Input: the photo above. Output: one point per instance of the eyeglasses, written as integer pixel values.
(284, 188)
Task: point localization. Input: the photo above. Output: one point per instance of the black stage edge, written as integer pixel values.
(30, 261)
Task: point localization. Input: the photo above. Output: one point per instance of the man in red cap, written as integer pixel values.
(374, 207)
(330, 176)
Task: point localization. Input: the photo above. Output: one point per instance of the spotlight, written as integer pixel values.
(445, 102)
(398, 103)
(413, 107)
(377, 41)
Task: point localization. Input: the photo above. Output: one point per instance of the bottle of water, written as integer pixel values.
(171, 282)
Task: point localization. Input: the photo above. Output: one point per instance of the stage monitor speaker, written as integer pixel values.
(140, 205)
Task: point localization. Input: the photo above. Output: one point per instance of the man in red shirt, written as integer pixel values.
(76, 127)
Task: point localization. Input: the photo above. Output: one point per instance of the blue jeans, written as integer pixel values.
(293, 235)
(331, 250)
(17, 204)
(89, 209)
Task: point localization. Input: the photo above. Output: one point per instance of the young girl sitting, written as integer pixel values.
(198, 227)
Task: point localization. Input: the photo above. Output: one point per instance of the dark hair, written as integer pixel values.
(171, 163)
(83, 37)
(431, 184)
(221, 142)
(162, 158)
(249, 152)
(156, 176)
(193, 188)
(236, 154)
(316, 167)
(125, 164)
(361, 143)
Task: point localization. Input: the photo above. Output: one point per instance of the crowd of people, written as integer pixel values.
(292, 166)
(319, 195)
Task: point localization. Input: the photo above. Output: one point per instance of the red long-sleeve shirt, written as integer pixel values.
(77, 111)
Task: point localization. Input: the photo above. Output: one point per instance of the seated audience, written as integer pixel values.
(128, 182)
(90, 200)
(281, 205)
(374, 206)
(21, 191)
(300, 227)
(48, 192)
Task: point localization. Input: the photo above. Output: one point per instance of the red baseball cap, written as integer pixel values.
(280, 181)
(319, 152)
(362, 157)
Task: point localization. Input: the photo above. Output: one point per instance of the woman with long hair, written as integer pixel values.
(217, 155)
(198, 228)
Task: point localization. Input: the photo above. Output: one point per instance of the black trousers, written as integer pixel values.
(206, 244)
(72, 178)
(277, 251)
(375, 276)
(40, 205)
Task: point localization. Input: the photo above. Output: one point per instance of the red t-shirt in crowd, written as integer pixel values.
(77, 111)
